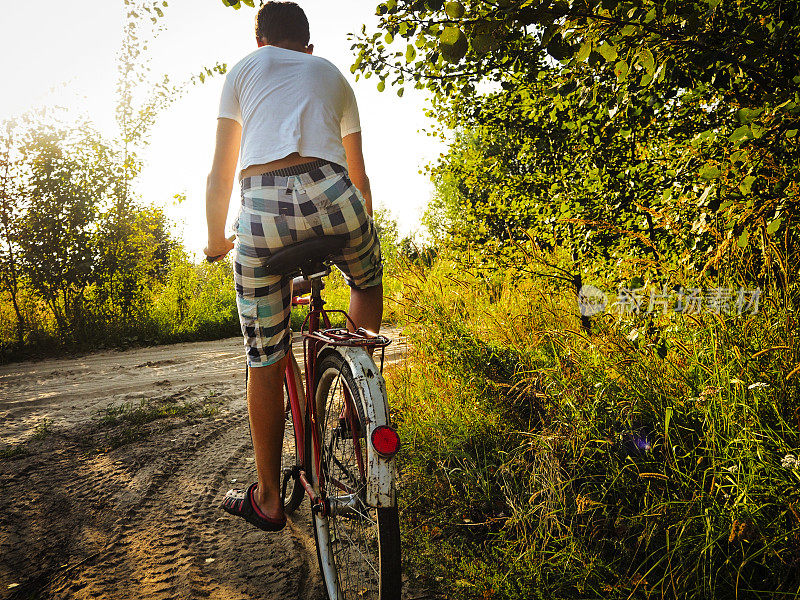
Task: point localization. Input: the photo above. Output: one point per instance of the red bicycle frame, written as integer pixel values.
(314, 340)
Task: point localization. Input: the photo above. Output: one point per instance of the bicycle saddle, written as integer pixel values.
(307, 257)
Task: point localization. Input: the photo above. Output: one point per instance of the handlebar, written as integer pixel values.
(212, 259)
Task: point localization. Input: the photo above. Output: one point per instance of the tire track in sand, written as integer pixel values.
(141, 520)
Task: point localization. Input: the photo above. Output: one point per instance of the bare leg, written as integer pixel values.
(366, 307)
(265, 405)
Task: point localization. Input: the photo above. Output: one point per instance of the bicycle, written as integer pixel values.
(339, 449)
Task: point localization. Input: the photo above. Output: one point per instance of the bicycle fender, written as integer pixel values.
(370, 382)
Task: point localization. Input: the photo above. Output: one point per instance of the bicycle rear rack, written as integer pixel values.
(338, 336)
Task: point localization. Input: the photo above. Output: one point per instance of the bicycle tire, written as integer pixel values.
(359, 554)
(294, 493)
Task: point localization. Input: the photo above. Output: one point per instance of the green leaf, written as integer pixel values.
(450, 35)
(621, 70)
(742, 241)
(411, 53)
(667, 418)
(381, 85)
(742, 133)
(585, 50)
(791, 133)
(710, 172)
(746, 115)
(608, 51)
(483, 42)
(400, 92)
(647, 60)
(388, 37)
(453, 44)
(559, 48)
(249, 3)
(454, 10)
(548, 34)
(747, 184)
(773, 227)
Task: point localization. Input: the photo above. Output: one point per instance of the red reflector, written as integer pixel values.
(385, 441)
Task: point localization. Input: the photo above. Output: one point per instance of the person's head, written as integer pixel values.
(283, 24)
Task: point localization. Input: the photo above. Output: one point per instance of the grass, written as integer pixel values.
(14, 451)
(647, 458)
(42, 430)
(127, 423)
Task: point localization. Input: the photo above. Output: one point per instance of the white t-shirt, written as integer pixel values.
(289, 101)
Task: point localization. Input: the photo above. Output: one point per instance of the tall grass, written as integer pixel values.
(647, 458)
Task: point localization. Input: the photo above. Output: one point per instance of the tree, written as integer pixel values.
(699, 96)
(69, 174)
(10, 210)
(140, 98)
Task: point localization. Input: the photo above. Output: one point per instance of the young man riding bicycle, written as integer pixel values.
(291, 121)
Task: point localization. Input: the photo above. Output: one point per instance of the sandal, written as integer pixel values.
(240, 503)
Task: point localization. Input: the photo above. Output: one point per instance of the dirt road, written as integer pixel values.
(112, 470)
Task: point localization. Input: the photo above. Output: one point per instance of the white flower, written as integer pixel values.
(789, 461)
(755, 386)
(737, 381)
(732, 469)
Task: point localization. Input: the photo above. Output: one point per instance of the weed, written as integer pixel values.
(14, 451)
(42, 429)
(129, 421)
(542, 461)
(145, 412)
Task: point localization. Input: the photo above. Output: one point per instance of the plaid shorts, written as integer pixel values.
(287, 206)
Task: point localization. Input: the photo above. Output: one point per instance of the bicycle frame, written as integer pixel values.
(314, 341)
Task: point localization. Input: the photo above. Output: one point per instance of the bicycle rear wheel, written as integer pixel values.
(291, 491)
(358, 546)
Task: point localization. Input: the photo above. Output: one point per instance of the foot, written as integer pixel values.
(241, 503)
(272, 508)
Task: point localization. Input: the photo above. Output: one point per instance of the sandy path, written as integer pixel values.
(86, 512)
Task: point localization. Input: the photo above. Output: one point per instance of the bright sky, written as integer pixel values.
(63, 52)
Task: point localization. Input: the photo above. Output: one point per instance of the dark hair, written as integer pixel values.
(282, 22)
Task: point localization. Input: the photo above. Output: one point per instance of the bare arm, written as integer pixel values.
(220, 184)
(355, 167)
